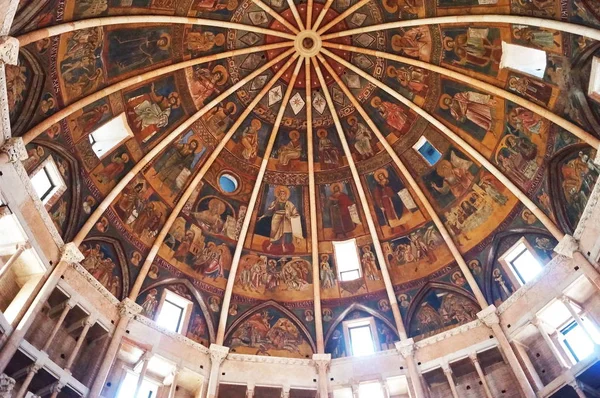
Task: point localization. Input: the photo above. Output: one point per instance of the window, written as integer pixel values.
(228, 183)
(370, 390)
(522, 261)
(577, 340)
(427, 150)
(594, 87)
(346, 259)
(174, 312)
(47, 181)
(110, 135)
(361, 336)
(148, 389)
(530, 61)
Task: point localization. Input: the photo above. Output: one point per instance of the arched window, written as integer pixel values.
(530, 61)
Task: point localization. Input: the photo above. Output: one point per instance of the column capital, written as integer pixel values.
(489, 316)
(565, 300)
(57, 387)
(129, 308)
(567, 246)
(71, 253)
(473, 356)
(91, 320)
(6, 386)
(218, 353)
(445, 367)
(9, 50)
(14, 147)
(322, 361)
(34, 368)
(406, 347)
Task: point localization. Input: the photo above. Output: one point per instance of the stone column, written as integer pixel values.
(250, 391)
(56, 388)
(475, 361)
(322, 363)
(173, 387)
(67, 306)
(70, 254)
(386, 389)
(6, 386)
(577, 389)
(13, 149)
(520, 348)
(490, 318)
(448, 372)
(285, 392)
(145, 361)
(569, 247)
(539, 324)
(567, 302)
(218, 353)
(14, 257)
(406, 348)
(90, 320)
(355, 391)
(127, 310)
(33, 369)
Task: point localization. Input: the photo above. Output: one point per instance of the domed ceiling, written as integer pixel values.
(234, 117)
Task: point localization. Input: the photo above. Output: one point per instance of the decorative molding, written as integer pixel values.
(176, 336)
(218, 353)
(588, 212)
(9, 50)
(71, 254)
(322, 362)
(567, 246)
(448, 333)
(15, 149)
(95, 283)
(406, 348)
(489, 316)
(6, 386)
(129, 308)
(269, 360)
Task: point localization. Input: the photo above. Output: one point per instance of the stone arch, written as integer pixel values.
(198, 297)
(33, 92)
(122, 262)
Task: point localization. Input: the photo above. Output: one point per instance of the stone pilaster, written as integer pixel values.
(322, 363)
(218, 353)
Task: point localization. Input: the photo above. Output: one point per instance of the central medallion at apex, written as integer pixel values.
(308, 43)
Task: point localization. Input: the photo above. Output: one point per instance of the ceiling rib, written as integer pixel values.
(365, 207)
(277, 17)
(343, 16)
(80, 104)
(544, 219)
(322, 14)
(296, 14)
(97, 213)
(255, 192)
(468, 19)
(312, 195)
(415, 186)
(197, 178)
(309, 14)
(67, 27)
(540, 110)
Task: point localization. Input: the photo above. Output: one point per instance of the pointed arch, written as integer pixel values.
(429, 287)
(555, 180)
(33, 92)
(278, 307)
(358, 307)
(493, 254)
(198, 297)
(122, 261)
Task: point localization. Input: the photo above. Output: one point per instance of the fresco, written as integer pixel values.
(475, 48)
(340, 215)
(105, 261)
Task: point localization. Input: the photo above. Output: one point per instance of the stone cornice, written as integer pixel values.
(129, 308)
(448, 333)
(176, 336)
(489, 316)
(94, 282)
(588, 212)
(269, 360)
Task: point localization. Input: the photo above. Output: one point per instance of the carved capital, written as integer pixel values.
(14, 148)
(446, 367)
(9, 50)
(129, 308)
(90, 320)
(6, 386)
(474, 358)
(322, 362)
(218, 353)
(489, 316)
(71, 254)
(406, 348)
(567, 246)
(34, 368)
(57, 387)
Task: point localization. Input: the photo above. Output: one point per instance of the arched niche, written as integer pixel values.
(570, 183)
(270, 329)
(490, 284)
(25, 83)
(105, 260)
(200, 312)
(439, 306)
(334, 338)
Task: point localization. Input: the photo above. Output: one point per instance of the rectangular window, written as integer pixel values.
(110, 135)
(346, 259)
(174, 312)
(47, 181)
(427, 151)
(527, 60)
(522, 261)
(148, 389)
(361, 336)
(577, 340)
(370, 390)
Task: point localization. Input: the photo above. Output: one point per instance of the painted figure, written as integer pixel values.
(249, 140)
(328, 153)
(393, 114)
(471, 106)
(290, 151)
(283, 213)
(362, 137)
(339, 204)
(456, 175)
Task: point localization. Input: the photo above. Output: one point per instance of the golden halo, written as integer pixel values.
(221, 69)
(217, 205)
(230, 107)
(381, 171)
(294, 135)
(447, 46)
(443, 98)
(220, 39)
(352, 120)
(392, 71)
(256, 124)
(321, 133)
(337, 184)
(168, 37)
(282, 188)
